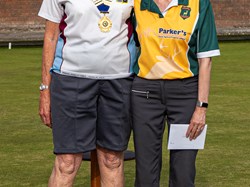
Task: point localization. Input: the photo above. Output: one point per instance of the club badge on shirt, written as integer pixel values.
(122, 1)
(185, 12)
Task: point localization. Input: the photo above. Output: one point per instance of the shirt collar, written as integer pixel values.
(151, 6)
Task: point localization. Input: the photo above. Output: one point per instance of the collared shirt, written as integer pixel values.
(83, 50)
(171, 4)
(172, 41)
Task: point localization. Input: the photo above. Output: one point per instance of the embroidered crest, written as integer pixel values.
(185, 12)
(122, 1)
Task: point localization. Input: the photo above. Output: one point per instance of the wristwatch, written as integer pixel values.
(43, 87)
(202, 104)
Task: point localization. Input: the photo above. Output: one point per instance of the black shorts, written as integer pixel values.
(87, 112)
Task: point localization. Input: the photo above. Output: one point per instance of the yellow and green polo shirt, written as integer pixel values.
(171, 42)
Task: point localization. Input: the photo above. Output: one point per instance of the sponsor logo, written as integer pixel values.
(171, 33)
(185, 12)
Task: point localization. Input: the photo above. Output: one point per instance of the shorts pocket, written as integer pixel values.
(141, 92)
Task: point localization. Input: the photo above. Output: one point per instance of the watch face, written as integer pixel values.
(204, 105)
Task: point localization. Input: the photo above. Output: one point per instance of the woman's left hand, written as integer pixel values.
(198, 119)
(197, 123)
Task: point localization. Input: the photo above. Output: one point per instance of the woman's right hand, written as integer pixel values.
(49, 47)
(44, 107)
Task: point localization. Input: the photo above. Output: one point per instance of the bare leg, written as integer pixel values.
(111, 167)
(65, 169)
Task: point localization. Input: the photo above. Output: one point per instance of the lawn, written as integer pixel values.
(26, 156)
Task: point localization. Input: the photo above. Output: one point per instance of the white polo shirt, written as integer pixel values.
(83, 50)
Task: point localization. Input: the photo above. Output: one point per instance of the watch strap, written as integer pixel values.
(43, 87)
(202, 104)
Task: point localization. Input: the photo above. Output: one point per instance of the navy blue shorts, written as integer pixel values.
(87, 112)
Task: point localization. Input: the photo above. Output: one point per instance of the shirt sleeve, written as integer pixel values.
(207, 36)
(51, 10)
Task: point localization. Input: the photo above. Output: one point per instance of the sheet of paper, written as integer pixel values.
(177, 138)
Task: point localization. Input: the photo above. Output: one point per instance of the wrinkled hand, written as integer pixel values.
(197, 123)
(44, 108)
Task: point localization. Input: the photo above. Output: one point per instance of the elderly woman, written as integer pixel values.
(86, 81)
(177, 40)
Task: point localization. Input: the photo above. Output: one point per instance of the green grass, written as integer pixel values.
(26, 156)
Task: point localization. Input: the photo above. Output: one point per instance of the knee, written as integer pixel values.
(66, 165)
(112, 160)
